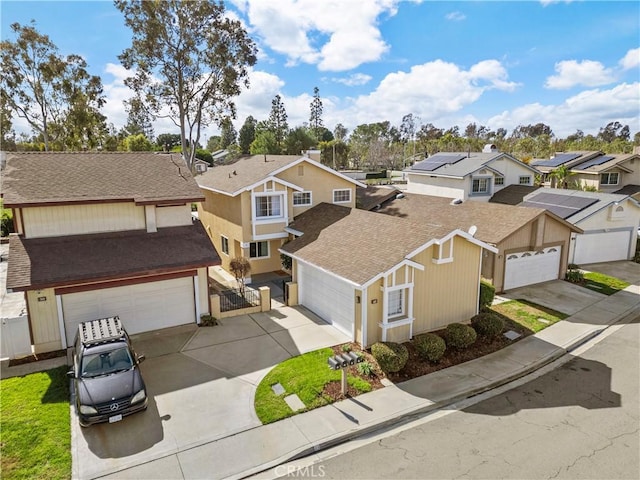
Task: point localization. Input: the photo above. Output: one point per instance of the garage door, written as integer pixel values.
(142, 307)
(602, 247)
(328, 297)
(527, 268)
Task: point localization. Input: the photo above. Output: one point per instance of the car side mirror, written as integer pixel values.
(141, 358)
(71, 374)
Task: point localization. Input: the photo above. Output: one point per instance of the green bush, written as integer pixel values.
(207, 320)
(488, 324)
(460, 336)
(574, 274)
(487, 292)
(430, 347)
(365, 368)
(392, 357)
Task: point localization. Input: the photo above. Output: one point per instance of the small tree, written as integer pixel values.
(240, 267)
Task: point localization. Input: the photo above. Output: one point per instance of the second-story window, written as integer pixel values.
(301, 199)
(268, 206)
(524, 180)
(342, 196)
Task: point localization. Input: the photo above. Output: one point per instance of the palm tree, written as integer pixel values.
(561, 174)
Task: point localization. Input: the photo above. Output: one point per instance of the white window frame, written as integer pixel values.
(298, 194)
(498, 181)
(341, 191)
(524, 180)
(266, 242)
(608, 176)
(224, 240)
(259, 196)
(479, 180)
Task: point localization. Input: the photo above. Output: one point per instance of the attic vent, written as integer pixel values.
(482, 172)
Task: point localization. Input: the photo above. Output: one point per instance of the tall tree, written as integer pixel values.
(7, 135)
(247, 134)
(138, 118)
(55, 94)
(340, 133)
(315, 119)
(614, 130)
(298, 140)
(168, 140)
(191, 60)
(228, 134)
(278, 121)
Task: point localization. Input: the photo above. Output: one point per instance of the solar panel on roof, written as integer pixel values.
(558, 160)
(436, 161)
(594, 161)
(562, 205)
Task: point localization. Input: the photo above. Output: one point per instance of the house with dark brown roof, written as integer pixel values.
(379, 277)
(532, 244)
(105, 234)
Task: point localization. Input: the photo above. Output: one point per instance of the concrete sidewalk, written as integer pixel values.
(264, 447)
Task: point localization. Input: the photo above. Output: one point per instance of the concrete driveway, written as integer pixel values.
(201, 383)
(627, 271)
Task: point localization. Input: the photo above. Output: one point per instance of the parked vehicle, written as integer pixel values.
(106, 373)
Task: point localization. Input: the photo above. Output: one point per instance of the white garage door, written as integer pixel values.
(527, 268)
(328, 297)
(142, 307)
(601, 247)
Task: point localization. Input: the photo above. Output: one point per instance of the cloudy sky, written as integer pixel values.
(569, 64)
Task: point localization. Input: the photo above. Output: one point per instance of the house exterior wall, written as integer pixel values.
(63, 220)
(173, 216)
(437, 186)
(511, 170)
(43, 317)
(222, 215)
(203, 292)
(374, 312)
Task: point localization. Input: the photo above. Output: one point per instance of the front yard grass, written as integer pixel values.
(599, 282)
(36, 434)
(305, 375)
(530, 315)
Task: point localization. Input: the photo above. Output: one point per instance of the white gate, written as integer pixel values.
(16, 341)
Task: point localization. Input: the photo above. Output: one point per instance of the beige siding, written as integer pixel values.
(173, 216)
(270, 264)
(203, 291)
(80, 219)
(357, 327)
(221, 215)
(270, 228)
(437, 186)
(374, 312)
(399, 334)
(43, 317)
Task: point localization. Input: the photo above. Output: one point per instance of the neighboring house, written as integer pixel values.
(200, 166)
(609, 222)
(250, 202)
(532, 243)
(593, 170)
(382, 278)
(468, 175)
(219, 156)
(105, 234)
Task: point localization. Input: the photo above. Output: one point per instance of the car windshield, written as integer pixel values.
(106, 362)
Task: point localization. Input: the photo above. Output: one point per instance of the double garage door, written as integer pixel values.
(327, 296)
(602, 247)
(527, 268)
(141, 307)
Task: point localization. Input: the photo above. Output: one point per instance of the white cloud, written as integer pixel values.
(589, 110)
(455, 16)
(355, 79)
(333, 34)
(631, 59)
(116, 92)
(571, 73)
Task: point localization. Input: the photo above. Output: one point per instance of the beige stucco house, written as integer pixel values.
(105, 234)
(250, 202)
(382, 278)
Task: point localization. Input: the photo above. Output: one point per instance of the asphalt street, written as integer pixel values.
(580, 420)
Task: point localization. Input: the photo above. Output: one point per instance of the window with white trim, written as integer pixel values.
(268, 206)
(259, 249)
(395, 307)
(524, 180)
(480, 185)
(224, 244)
(610, 178)
(301, 199)
(499, 181)
(342, 196)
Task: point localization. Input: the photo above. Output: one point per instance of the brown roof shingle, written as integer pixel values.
(368, 198)
(143, 177)
(57, 261)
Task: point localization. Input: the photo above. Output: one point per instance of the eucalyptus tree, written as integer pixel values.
(190, 61)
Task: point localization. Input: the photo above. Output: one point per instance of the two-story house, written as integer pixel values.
(467, 175)
(249, 203)
(105, 234)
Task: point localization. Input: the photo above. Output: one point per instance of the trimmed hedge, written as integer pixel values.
(488, 324)
(430, 347)
(460, 336)
(391, 356)
(487, 292)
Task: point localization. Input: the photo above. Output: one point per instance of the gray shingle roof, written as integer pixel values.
(41, 178)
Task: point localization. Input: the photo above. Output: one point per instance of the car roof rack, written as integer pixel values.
(101, 330)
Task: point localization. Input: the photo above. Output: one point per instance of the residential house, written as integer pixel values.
(250, 202)
(382, 278)
(467, 175)
(200, 166)
(609, 222)
(532, 243)
(105, 234)
(592, 170)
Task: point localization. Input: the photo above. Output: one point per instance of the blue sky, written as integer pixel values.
(569, 64)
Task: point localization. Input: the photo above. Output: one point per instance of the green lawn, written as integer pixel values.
(36, 434)
(599, 282)
(530, 315)
(305, 375)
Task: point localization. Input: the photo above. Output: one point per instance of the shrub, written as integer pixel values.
(574, 274)
(207, 320)
(392, 357)
(430, 347)
(346, 348)
(488, 324)
(365, 368)
(460, 336)
(487, 292)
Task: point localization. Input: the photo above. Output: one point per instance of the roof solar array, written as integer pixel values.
(433, 162)
(558, 160)
(594, 161)
(562, 205)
